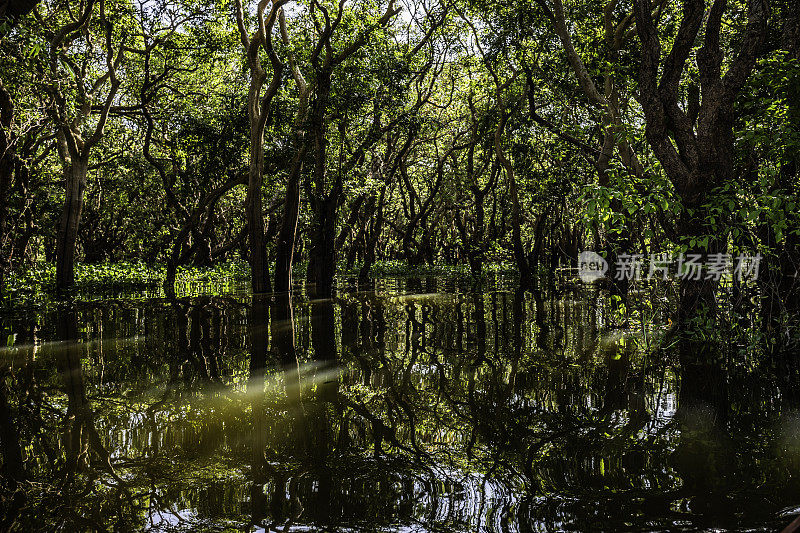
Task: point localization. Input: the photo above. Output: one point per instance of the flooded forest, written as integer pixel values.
(405, 265)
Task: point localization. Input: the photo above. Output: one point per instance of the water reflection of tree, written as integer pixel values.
(80, 433)
(460, 408)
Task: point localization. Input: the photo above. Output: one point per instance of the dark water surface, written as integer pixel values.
(416, 405)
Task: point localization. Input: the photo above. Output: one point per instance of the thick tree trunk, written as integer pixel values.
(169, 279)
(538, 239)
(67, 238)
(259, 272)
(696, 146)
(73, 146)
(322, 256)
(287, 237)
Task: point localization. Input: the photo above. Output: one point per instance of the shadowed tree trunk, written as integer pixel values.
(474, 242)
(321, 256)
(73, 148)
(611, 102)
(324, 205)
(7, 154)
(695, 146)
(372, 233)
(520, 257)
(67, 236)
(287, 236)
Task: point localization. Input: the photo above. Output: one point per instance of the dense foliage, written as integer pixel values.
(194, 133)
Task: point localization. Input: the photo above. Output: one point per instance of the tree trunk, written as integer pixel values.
(478, 248)
(169, 279)
(516, 216)
(6, 167)
(70, 221)
(6, 172)
(259, 272)
(371, 239)
(287, 238)
(696, 146)
(258, 113)
(516, 232)
(322, 256)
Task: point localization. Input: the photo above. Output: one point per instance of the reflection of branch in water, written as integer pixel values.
(13, 466)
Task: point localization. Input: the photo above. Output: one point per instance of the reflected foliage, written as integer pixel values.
(429, 404)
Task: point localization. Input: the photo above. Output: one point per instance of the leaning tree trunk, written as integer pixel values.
(66, 241)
